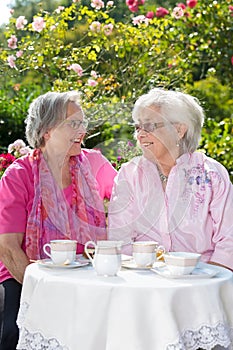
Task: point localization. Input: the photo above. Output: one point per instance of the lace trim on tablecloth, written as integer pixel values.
(34, 341)
(206, 337)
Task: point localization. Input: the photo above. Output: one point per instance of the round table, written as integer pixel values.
(72, 309)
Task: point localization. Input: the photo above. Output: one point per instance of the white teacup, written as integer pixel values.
(181, 263)
(144, 252)
(62, 251)
(107, 257)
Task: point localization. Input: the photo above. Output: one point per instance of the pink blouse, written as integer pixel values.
(17, 193)
(195, 213)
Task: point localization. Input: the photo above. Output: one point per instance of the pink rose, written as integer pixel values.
(59, 9)
(140, 19)
(231, 9)
(232, 60)
(110, 3)
(11, 61)
(38, 24)
(76, 68)
(21, 22)
(133, 8)
(95, 26)
(108, 29)
(97, 4)
(130, 2)
(92, 82)
(161, 12)
(178, 12)
(191, 3)
(12, 42)
(19, 53)
(94, 74)
(150, 15)
(181, 5)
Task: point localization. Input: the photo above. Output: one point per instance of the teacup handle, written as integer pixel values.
(161, 249)
(86, 251)
(47, 245)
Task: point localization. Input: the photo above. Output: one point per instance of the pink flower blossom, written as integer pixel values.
(161, 12)
(6, 160)
(232, 60)
(181, 5)
(24, 150)
(130, 2)
(97, 4)
(16, 146)
(12, 42)
(92, 82)
(11, 61)
(133, 8)
(19, 53)
(110, 4)
(38, 24)
(53, 27)
(21, 22)
(150, 15)
(59, 9)
(95, 26)
(191, 3)
(231, 9)
(76, 68)
(94, 74)
(140, 19)
(108, 28)
(177, 12)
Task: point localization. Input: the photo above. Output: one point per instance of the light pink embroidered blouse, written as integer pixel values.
(195, 213)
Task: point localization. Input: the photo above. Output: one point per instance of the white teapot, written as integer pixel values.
(107, 257)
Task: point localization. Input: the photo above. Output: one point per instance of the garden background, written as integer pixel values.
(114, 51)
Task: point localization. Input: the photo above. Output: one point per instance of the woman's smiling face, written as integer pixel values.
(156, 136)
(67, 137)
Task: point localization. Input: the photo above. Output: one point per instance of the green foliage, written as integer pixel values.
(217, 141)
(127, 60)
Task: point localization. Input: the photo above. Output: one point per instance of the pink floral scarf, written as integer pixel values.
(52, 217)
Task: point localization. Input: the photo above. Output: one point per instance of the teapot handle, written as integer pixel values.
(86, 250)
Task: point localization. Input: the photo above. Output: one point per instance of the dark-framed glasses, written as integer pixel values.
(76, 124)
(148, 127)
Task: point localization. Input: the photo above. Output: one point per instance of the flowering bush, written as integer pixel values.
(15, 150)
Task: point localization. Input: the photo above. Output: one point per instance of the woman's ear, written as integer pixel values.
(46, 136)
(181, 130)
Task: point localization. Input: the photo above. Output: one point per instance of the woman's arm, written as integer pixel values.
(12, 255)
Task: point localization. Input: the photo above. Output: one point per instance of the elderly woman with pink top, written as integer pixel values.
(55, 192)
(173, 194)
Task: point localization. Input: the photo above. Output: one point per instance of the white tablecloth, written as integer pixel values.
(75, 309)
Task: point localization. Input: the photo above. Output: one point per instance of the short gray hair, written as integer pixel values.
(45, 113)
(176, 107)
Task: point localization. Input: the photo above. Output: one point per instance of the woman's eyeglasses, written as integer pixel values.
(148, 127)
(76, 124)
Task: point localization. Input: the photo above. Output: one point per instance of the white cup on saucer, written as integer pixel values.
(61, 251)
(144, 252)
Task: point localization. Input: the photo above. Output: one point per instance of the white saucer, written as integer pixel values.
(130, 264)
(201, 271)
(50, 264)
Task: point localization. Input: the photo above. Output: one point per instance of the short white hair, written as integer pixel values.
(175, 107)
(45, 113)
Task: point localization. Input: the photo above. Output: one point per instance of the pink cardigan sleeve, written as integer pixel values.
(103, 172)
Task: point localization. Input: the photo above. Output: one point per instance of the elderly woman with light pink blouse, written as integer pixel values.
(173, 194)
